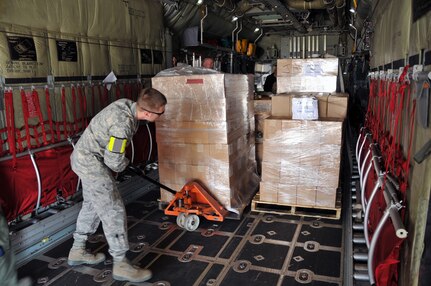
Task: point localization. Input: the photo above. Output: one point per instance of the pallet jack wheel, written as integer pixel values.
(181, 220)
(192, 222)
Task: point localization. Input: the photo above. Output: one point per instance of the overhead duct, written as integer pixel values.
(341, 13)
(364, 10)
(286, 14)
(332, 11)
(187, 14)
(335, 8)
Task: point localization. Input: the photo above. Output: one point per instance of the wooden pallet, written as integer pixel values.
(284, 209)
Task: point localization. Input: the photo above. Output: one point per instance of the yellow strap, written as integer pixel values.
(117, 145)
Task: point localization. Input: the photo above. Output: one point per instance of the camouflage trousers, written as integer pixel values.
(102, 202)
(7, 257)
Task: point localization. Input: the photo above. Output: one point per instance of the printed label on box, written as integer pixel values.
(305, 108)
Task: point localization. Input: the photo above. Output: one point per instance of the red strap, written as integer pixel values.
(83, 107)
(75, 118)
(101, 101)
(105, 96)
(26, 116)
(64, 111)
(35, 96)
(93, 101)
(10, 124)
(49, 111)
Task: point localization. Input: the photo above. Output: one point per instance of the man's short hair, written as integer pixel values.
(151, 98)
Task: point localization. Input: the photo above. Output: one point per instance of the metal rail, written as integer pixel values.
(393, 205)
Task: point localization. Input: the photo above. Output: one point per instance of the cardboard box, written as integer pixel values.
(307, 75)
(314, 67)
(326, 197)
(331, 106)
(306, 84)
(268, 192)
(262, 106)
(306, 196)
(282, 105)
(287, 194)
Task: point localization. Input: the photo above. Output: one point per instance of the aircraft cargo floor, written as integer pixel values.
(258, 249)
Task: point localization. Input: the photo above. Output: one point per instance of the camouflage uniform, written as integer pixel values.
(7, 257)
(93, 161)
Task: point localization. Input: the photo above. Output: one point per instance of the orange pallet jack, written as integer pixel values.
(189, 203)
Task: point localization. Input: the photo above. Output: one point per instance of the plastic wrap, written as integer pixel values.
(307, 75)
(262, 110)
(184, 69)
(301, 161)
(206, 134)
(331, 106)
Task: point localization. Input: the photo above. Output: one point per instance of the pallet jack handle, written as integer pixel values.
(139, 172)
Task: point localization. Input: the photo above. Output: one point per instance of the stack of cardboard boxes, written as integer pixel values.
(207, 135)
(301, 158)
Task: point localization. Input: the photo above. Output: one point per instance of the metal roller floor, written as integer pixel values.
(258, 249)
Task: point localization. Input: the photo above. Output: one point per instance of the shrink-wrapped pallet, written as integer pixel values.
(207, 134)
(301, 162)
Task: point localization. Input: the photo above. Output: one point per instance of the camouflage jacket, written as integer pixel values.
(103, 142)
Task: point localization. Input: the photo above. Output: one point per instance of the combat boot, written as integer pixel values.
(78, 256)
(124, 271)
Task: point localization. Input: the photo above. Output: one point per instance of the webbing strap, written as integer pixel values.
(105, 96)
(75, 118)
(10, 124)
(101, 101)
(82, 106)
(372, 97)
(49, 110)
(35, 96)
(26, 116)
(64, 111)
(93, 101)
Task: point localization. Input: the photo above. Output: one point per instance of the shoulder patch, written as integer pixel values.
(117, 145)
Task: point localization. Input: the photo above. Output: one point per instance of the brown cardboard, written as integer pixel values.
(262, 106)
(306, 196)
(306, 84)
(282, 105)
(287, 194)
(307, 75)
(268, 192)
(329, 177)
(331, 106)
(326, 197)
(270, 172)
(307, 67)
